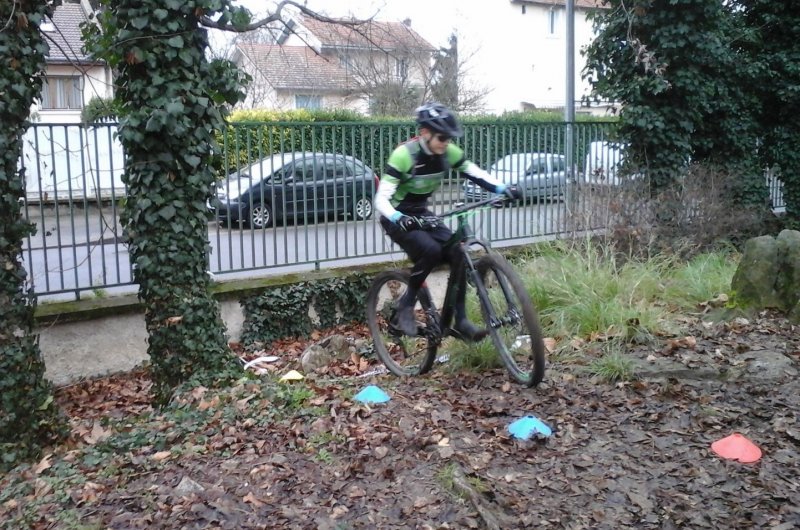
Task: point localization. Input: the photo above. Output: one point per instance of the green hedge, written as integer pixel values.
(256, 134)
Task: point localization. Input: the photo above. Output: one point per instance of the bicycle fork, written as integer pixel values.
(494, 321)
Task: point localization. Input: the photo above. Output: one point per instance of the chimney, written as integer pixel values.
(407, 22)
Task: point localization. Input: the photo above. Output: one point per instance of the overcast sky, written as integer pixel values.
(434, 20)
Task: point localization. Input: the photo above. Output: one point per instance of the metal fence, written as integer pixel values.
(294, 170)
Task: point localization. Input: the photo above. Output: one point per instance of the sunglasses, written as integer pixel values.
(443, 138)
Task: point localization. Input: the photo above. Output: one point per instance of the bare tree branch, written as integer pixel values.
(277, 16)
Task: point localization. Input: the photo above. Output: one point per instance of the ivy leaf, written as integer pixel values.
(139, 22)
(192, 160)
(133, 56)
(176, 41)
(167, 212)
(154, 123)
(175, 107)
(187, 56)
(22, 21)
(47, 402)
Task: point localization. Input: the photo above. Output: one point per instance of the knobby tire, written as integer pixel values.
(519, 342)
(402, 355)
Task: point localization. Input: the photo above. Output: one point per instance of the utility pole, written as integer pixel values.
(569, 107)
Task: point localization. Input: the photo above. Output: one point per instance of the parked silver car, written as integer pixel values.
(539, 175)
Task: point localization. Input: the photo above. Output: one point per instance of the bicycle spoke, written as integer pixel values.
(401, 354)
(513, 323)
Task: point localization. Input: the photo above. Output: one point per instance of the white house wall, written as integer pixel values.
(364, 63)
(379, 64)
(64, 161)
(96, 82)
(285, 100)
(260, 93)
(517, 59)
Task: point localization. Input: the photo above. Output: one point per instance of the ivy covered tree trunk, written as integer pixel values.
(170, 97)
(29, 418)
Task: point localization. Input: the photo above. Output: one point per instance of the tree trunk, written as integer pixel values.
(29, 417)
(170, 99)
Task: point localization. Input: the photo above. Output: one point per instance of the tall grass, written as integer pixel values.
(583, 289)
(701, 279)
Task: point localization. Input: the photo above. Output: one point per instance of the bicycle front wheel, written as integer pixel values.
(511, 319)
(402, 355)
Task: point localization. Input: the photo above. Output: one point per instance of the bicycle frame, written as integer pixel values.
(465, 268)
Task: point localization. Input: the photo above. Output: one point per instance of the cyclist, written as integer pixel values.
(414, 171)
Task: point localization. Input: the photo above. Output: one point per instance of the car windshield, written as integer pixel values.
(264, 168)
(515, 162)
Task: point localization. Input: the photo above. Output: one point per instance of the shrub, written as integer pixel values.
(99, 109)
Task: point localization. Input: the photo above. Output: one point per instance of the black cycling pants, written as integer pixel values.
(424, 247)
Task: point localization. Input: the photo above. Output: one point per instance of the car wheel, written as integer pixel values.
(362, 209)
(261, 216)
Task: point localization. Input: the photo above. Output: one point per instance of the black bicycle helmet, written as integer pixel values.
(438, 118)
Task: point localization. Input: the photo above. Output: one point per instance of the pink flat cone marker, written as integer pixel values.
(737, 447)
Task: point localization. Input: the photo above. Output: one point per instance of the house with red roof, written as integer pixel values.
(314, 64)
(72, 78)
(514, 53)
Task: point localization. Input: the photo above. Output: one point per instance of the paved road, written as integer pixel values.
(83, 251)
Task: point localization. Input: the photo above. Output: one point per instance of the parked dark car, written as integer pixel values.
(296, 186)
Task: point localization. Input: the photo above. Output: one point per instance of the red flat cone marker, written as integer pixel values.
(737, 447)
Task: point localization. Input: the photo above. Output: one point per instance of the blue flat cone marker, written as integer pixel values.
(372, 394)
(526, 427)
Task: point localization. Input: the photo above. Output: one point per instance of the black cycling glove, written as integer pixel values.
(407, 223)
(512, 193)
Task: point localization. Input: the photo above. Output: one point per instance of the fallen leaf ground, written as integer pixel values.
(438, 455)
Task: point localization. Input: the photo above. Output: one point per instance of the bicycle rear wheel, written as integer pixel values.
(511, 320)
(402, 355)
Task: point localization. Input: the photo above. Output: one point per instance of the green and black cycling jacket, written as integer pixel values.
(413, 174)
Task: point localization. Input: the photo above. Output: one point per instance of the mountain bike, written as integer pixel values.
(506, 307)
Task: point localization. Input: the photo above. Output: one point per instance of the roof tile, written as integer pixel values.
(65, 42)
(370, 34)
(296, 67)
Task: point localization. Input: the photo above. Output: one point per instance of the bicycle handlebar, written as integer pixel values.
(495, 202)
(430, 222)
